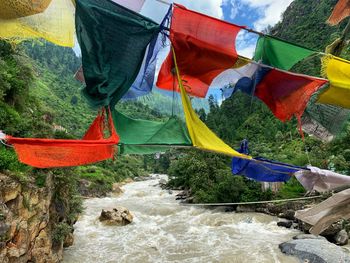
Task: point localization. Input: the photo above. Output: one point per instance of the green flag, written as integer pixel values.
(143, 136)
(279, 54)
(113, 41)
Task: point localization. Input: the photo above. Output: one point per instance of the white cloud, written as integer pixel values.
(247, 51)
(271, 11)
(235, 9)
(156, 10)
(245, 43)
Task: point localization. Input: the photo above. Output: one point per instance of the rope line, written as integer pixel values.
(257, 202)
(250, 30)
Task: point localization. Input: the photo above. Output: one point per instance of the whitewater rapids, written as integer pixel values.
(165, 231)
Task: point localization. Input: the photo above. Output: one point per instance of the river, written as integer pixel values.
(165, 231)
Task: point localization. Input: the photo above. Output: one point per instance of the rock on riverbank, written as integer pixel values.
(309, 248)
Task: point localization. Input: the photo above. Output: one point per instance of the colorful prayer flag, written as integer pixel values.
(144, 136)
(280, 54)
(113, 43)
(233, 79)
(337, 71)
(287, 94)
(52, 21)
(16, 9)
(261, 169)
(144, 81)
(340, 12)
(316, 179)
(49, 153)
(201, 136)
(205, 47)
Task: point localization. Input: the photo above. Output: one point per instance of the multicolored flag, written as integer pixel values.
(205, 47)
(201, 136)
(285, 93)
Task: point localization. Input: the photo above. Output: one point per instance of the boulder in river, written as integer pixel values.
(116, 189)
(162, 183)
(286, 224)
(183, 195)
(314, 249)
(287, 214)
(119, 216)
(342, 238)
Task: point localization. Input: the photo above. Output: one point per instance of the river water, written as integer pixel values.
(165, 231)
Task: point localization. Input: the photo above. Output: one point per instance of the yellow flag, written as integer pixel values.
(202, 137)
(21, 8)
(55, 24)
(337, 70)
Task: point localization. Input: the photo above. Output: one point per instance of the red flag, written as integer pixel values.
(287, 94)
(50, 153)
(205, 47)
(340, 11)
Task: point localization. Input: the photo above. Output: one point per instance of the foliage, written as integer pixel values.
(291, 189)
(9, 160)
(67, 201)
(60, 231)
(210, 179)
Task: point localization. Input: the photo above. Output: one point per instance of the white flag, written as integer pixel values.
(321, 180)
(134, 5)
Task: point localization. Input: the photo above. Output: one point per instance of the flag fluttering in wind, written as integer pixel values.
(337, 70)
(52, 20)
(134, 5)
(340, 12)
(278, 53)
(16, 9)
(49, 153)
(205, 47)
(287, 94)
(145, 136)
(202, 137)
(113, 41)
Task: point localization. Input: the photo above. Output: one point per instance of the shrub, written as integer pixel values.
(60, 231)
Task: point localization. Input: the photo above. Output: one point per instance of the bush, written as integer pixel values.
(9, 160)
(60, 231)
(291, 189)
(210, 179)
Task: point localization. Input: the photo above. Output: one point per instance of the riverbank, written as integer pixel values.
(36, 217)
(337, 233)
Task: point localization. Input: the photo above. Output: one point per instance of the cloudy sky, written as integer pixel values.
(256, 14)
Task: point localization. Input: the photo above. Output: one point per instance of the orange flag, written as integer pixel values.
(340, 11)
